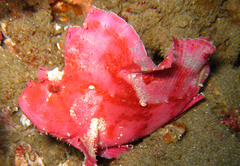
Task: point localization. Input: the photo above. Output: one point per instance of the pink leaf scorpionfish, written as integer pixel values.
(110, 92)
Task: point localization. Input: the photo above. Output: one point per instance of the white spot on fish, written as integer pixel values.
(142, 103)
(72, 113)
(111, 95)
(134, 76)
(49, 95)
(102, 124)
(85, 25)
(141, 93)
(91, 87)
(55, 75)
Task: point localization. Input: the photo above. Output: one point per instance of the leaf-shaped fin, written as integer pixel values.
(106, 41)
(113, 152)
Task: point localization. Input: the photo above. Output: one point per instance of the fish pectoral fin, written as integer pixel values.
(89, 143)
(195, 99)
(113, 152)
(89, 151)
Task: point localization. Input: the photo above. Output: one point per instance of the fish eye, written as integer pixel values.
(54, 88)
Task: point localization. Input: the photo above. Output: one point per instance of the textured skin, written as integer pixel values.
(111, 93)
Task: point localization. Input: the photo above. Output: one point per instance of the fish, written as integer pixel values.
(110, 93)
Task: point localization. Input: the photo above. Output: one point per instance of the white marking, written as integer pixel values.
(92, 11)
(91, 87)
(55, 75)
(85, 25)
(142, 103)
(111, 95)
(102, 125)
(134, 76)
(142, 94)
(68, 134)
(49, 95)
(91, 136)
(72, 112)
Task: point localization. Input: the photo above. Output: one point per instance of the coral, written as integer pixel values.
(172, 132)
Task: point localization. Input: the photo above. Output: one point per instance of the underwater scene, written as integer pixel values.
(119, 82)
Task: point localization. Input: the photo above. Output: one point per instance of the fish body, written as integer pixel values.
(110, 92)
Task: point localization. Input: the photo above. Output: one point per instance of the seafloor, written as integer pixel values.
(30, 39)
